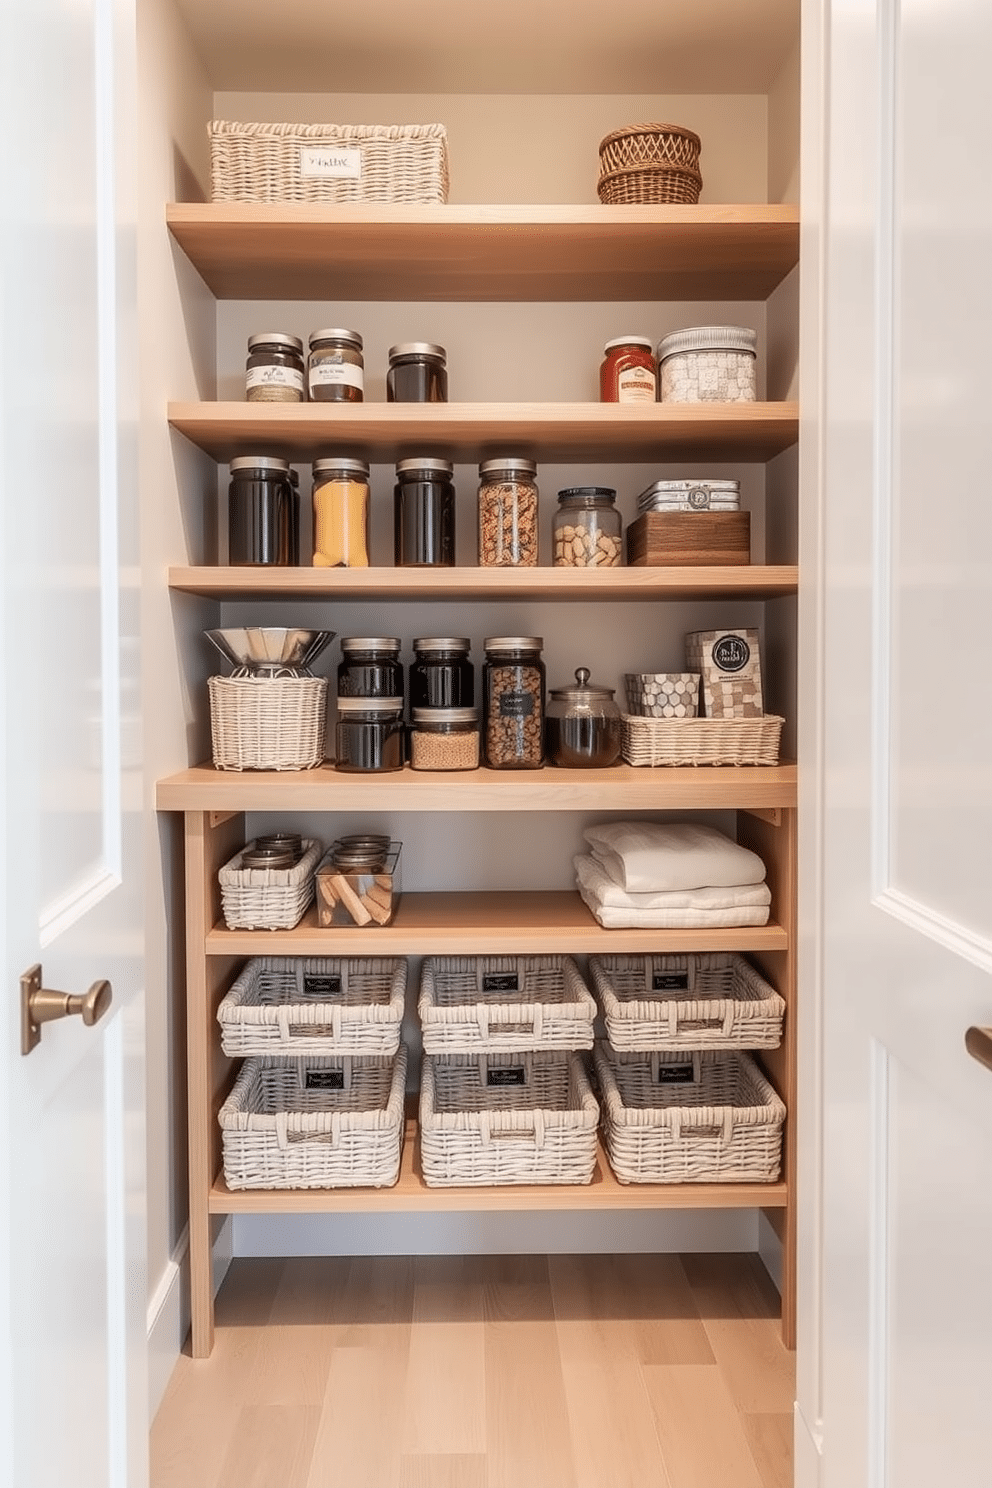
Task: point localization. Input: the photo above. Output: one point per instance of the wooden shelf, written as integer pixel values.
(497, 253)
(470, 432)
(552, 922)
(412, 1195)
(749, 581)
(622, 787)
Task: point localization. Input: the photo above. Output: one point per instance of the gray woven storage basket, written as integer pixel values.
(538, 1128)
(706, 1000)
(268, 898)
(292, 1005)
(295, 162)
(284, 1126)
(722, 1125)
(504, 1004)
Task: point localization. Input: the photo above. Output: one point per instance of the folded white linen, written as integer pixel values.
(643, 857)
(612, 918)
(601, 887)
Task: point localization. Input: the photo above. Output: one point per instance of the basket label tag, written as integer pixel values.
(324, 1079)
(500, 981)
(322, 986)
(670, 981)
(513, 1075)
(326, 163)
(675, 1074)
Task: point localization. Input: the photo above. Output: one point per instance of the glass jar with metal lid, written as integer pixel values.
(628, 372)
(275, 371)
(340, 513)
(582, 725)
(424, 513)
(262, 512)
(417, 373)
(370, 667)
(442, 674)
(508, 496)
(444, 739)
(369, 735)
(513, 703)
(336, 369)
(587, 528)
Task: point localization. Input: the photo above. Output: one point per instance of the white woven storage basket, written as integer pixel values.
(506, 1119)
(721, 1125)
(700, 741)
(268, 898)
(328, 162)
(267, 723)
(504, 1004)
(707, 1000)
(285, 1127)
(292, 1005)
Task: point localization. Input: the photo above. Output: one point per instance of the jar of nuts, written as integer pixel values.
(508, 513)
(587, 528)
(513, 703)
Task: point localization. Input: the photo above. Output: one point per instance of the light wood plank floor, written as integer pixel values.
(626, 1371)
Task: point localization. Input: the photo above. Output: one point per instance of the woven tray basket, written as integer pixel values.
(504, 1004)
(724, 1127)
(700, 741)
(282, 1128)
(649, 144)
(275, 162)
(710, 1000)
(268, 898)
(267, 723)
(322, 1005)
(474, 1133)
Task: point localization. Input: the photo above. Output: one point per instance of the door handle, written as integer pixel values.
(978, 1042)
(42, 1005)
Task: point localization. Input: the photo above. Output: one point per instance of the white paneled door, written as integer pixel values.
(72, 1287)
(896, 1345)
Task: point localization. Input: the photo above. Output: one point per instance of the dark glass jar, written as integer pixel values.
(582, 725)
(441, 674)
(424, 514)
(275, 371)
(417, 373)
(336, 367)
(513, 703)
(370, 667)
(369, 735)
(263, 513)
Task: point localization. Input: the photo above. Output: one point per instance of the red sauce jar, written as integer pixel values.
(629, 372)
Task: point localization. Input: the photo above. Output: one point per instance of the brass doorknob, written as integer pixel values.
(978, 1042)
(43, 1005)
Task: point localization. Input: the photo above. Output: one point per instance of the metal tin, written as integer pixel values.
(691, 495)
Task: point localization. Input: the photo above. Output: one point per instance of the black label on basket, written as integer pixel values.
(676, 1074)
(731, 653)
(324, 1080)
(515, 1075)
(500, 981)
(322, 986)
(670, 981)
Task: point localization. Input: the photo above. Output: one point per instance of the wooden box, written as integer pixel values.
(689, 539)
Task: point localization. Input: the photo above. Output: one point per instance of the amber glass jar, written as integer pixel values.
(629, 372)
(336, 366)
(417, 373)
(275, 371)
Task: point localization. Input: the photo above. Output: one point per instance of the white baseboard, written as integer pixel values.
(169, 1310)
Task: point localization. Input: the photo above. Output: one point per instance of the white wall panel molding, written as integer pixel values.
(879, 1264)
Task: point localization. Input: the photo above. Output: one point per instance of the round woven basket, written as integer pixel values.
(267, 723)
(649, 144)
(650, 185)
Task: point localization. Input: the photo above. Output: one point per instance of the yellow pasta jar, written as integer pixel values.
(340, 513)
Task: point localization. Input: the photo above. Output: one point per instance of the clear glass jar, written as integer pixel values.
(340, 513)
(263, 513)
(513, 703)
(582, 725)
(444, 739)
(370, 667)
(442, 674)
(628, 372)
(424, 514)
(336, 369)
(587, 528)
(417, 373)
(275, 371)
(508, 534)
(369, 735)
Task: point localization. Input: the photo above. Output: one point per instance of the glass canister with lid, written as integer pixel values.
(424, 513)
(582, 726)
(417, 373)
(275, 371)
(587, 528)
(508, 495)
(369, 735)
(442, 674)
(370, 667)
(263, 512)
(444, 739)
(513, 703)
(336, 367)
(340, 513)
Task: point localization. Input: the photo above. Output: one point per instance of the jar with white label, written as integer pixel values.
(513, 703)
(275, 370)
(336, 368)
(629, 372)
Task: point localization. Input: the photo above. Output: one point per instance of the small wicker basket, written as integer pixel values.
(328, 162)
(700, 741)
(322, 1005)
(710, 1000)
(267, 723)
(506, 1119)
(268, 898)
(315, 1123)
(504, 1004)
(648, 164)
(689, 1118)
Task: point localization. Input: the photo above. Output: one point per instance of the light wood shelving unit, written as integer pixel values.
(479, 253)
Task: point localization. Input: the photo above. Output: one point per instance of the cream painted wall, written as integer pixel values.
(783, 132)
